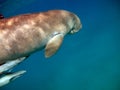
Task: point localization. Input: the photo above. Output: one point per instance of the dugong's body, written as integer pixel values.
(22, 35)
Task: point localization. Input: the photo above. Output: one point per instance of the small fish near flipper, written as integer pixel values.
(7, 77)
(10, 77)
(10, 64)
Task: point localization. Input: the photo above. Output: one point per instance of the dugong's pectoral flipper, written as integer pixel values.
(53, 45)
(10, 77)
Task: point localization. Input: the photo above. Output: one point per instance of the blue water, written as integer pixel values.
(88, 60)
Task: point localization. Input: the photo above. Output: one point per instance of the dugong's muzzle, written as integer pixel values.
(76, 26)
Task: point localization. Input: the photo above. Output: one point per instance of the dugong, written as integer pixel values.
(22, 35)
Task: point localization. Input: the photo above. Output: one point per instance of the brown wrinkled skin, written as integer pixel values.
(24, 34)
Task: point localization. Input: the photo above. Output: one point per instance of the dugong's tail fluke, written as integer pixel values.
(10, 77)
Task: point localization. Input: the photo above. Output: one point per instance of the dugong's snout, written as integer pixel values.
(77, 25)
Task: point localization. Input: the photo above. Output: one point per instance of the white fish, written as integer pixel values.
(10, 64)
(10, 77)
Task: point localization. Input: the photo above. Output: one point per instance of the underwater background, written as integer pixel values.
(87, 60)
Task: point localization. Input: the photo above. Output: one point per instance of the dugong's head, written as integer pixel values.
(74, 23)
(61, 21)
(70, 20)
